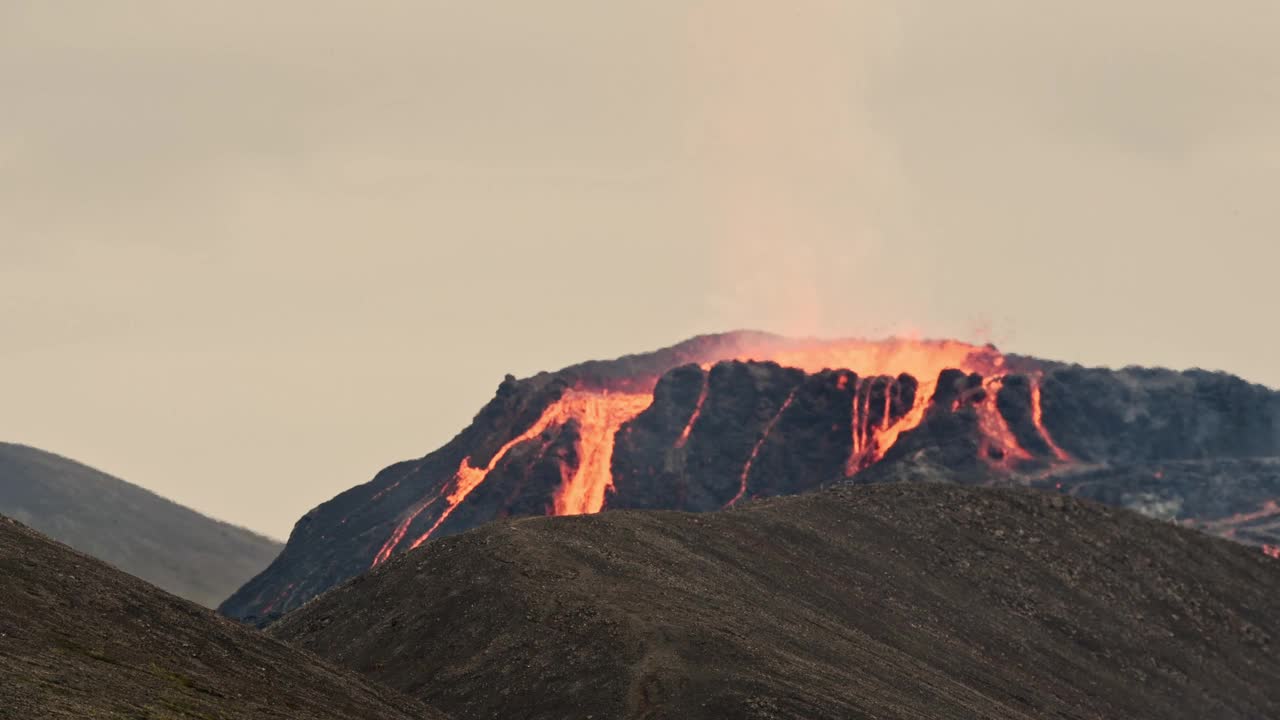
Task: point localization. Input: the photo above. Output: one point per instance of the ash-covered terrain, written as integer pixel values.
(720, 420)
(890, 601)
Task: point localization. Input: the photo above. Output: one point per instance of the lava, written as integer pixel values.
(1037, 417)
(599, 417)
(999, 444)
(599, 408)
(1271, 551)
(889, 433)
(396, 536)
(1269, 508)
(697, 412)
(755, 450)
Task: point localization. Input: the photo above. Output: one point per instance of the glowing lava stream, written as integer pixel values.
(884, 437)
(598, 414)
(755, 450)
(697, 411)
(995, 429)
(1037, 417)
(599, 417)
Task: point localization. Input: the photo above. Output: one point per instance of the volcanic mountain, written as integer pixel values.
(162, 542)
(80, 639)
(718, 420)
(890, 601)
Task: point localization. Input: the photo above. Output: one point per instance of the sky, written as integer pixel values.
(251, 253)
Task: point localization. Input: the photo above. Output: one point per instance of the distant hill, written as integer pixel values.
(162, 542)
(79, 639)
(890, 601)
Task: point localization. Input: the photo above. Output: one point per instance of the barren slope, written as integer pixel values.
(885, 601)
(79, 639)
(160, 541)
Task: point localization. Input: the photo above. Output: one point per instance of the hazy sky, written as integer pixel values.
(250, 253)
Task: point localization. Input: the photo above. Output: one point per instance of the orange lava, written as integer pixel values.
(398, 534)
(1268, 509)
(1271, 551)
(600, 412)
(1037, 416)
(599, 416)
(995, 429)
(697, 412)
(755, 450)
(888, 435)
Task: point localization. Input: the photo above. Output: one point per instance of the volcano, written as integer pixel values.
(719, 420)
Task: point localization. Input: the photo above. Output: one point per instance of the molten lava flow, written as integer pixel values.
(599, 416)
(1271, 551)
(469, 477)
(1037, 417)
(1268, 509)
(398, 534)
(995, 429)
(871, 443)
(599, 408)
(755, 450)
(697, 412)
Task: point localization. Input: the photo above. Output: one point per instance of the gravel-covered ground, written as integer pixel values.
(80, 639)
(885, 601)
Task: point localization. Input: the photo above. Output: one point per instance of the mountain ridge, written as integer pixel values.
(135, 529)
(79, 638)
(894, 600)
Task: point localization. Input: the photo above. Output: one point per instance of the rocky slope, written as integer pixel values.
(164, 543)
(722, 419)
(80, 639)
(885, 601)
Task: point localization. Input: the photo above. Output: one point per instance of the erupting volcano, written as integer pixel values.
(888, 400)
(711, 422)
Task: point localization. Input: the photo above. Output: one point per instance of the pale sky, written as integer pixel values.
(251, 253)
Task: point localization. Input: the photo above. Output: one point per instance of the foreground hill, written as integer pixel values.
(166, 544)
(79, 639)
(721, 419)
(884, 601)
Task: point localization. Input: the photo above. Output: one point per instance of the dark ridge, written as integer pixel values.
(160, 541)
(79, 639)
(891, 601)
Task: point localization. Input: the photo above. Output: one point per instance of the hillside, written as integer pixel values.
(887, 601)
(718, 420)
(166, 544)
(80, 639)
